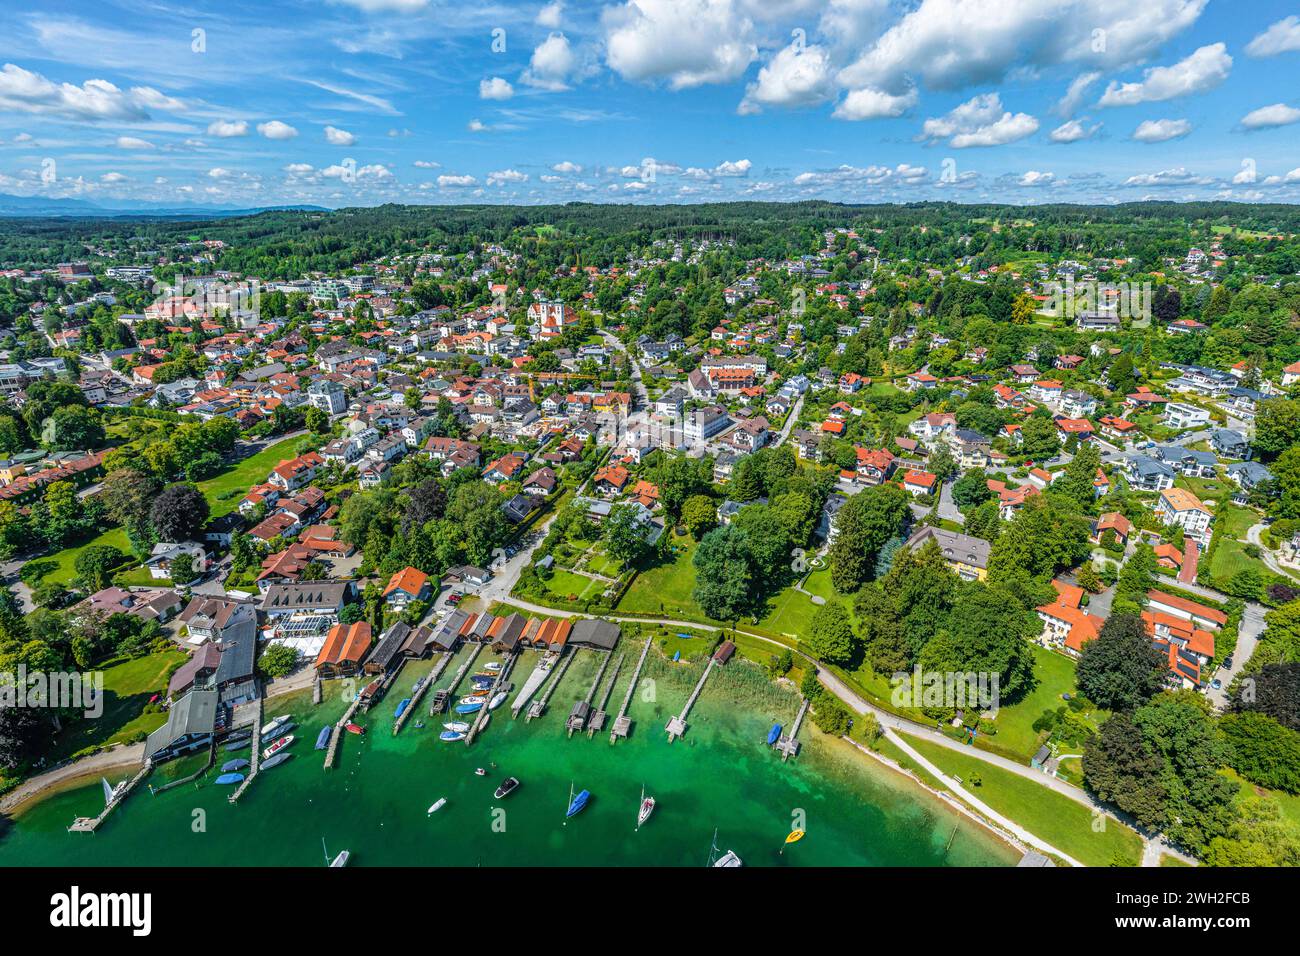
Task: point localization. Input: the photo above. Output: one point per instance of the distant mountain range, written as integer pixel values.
(42, 207)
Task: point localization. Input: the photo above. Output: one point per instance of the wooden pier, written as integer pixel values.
(578, 717)
(418, 693)
(597, 720)
(677, 725)
(789, 744)
(249, 714)
(317, 692)
(623, 723)
(538, 707)
(498, 686)
(534, 682)
(91, 824)
(336, 735)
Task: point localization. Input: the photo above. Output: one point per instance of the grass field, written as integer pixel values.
(666, 588)
(66, 559)
(564, 584)
(1230, 556)
(128, 685)
(1055, 673)
(1051, 816)
(224, 491)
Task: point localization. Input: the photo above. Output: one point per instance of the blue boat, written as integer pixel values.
(402, 705)
(452, 735)
(227, 779)
(323, 738)
(578, 803)
(774, 734)
(468, 708)
(230, 766)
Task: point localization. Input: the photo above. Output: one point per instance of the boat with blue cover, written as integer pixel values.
(774, 734)
(323, 738)
(404, 703)
(229, 779)
(230, 766)
(578, 803)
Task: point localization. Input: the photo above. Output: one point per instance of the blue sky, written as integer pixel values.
(356, 102)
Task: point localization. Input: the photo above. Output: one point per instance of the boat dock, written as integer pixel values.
(597, 720)
(91, 824)
(462, 671)
(578, 716)
(498, 685)
(249, 714)
(336, 735)
(538, 706)
(623, 723)
(677, 725)
(789, 744)
(535, 680)
(417, 694)
(317, 692)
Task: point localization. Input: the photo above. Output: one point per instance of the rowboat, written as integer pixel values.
(459, 726)
(230, 766)
(438, 805)
(450, 735)
(774, 734)
(323, 738)
(227, 779)
(354, 729)
(276, 761)
(276, 747)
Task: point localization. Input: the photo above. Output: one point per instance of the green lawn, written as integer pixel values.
(1051, 816)
(563, 584)
(128, 685)
(225, 490)
(666, 588)
(66, 559)
(1055, 673)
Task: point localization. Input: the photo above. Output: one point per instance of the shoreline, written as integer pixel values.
(35, 789)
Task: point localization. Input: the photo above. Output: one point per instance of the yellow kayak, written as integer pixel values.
(794, 837)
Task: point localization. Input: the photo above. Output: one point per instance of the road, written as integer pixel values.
(790, 422)
(1253, 536)
(947, 507)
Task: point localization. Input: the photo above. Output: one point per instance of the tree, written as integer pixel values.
(625, 535)
(830, 634)
(278, 660)
(862, 526)
(971, 489)
(317, 419)
(1260, 836)
(95, 564)
(72, 428)
(1038, 438)
(1077, 481)
(178, 513)
(723, 573)
(1120, 767)
(986, 633)
(182, 570)
(700, 515)
(1274, 690)
(678, 479)
(1136, 578)
(1263, 751)
(22, 731)
(1120, 376)
(1120, 670)
(1277, 426)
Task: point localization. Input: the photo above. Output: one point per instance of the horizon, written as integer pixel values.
(359, 103)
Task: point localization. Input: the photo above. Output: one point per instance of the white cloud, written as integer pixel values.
(845, 175)
(1281, 37)
(227, 128)
(1034, 178)
(1203, 70)
(386, 6)
(427, 164)
(349, 171)
(549, 16)
(1169, 177)
(23, 91)
(954, 44)
(298, 169)
(132, 142)
(495, 89)
(476, 126)
(1072, 131)
(684, 42)
(551, 65)
(848, 25)
(218, 172)
(1279, 114)
(1162, 130)
(795, 76)
(338, 137)
(739, 167)
(456, 182)
(980, 121)
(111, 178)
(276, 130)
(566, 167)
(1073, 97)
(867, 103)
(505, 177)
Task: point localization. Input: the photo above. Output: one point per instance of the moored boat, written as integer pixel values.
(473, 708)
(228, 779)
(355, 729)
(647, 808)
(728, 859)
(323, 738)
(230, 766)
(276, 747)
(471, 699)
(404, 703)
(341, 860)
(497, 701)
(508, 786)
(438, 805)
(276, 761)
(238, 745)
(459, 726)
(450, 735)
(578, 803)
(492, 666)
(774, 734)
(275, 725)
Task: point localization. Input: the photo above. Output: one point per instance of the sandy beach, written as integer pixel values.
(95, 765)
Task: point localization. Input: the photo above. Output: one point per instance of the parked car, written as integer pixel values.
(1216, 683)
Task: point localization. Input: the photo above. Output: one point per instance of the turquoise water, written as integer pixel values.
(721, 775)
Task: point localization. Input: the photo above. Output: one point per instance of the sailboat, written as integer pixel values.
(339, 861)
(577, 802)
(110, 792)
(647, 808)
(727, 860)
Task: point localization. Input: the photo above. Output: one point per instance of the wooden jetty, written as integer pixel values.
(582, 709)
(91, 824)
(439, 703)
(677, 725)
(534, 682)
(249, 714)
(417, 694)
(623, 723)
(336, 735)
(789, 743)
(317, 692)
(538, 707)
(498, 686)
(597, 720)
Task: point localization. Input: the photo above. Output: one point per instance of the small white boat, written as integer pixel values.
(442, 802)
(492, 666)
(470, 700)
(456, 726)
(497, 701)
(276, 747)
(275, 725)
(480, 772)
(728, 859)
(341, 860)
(647, 808)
